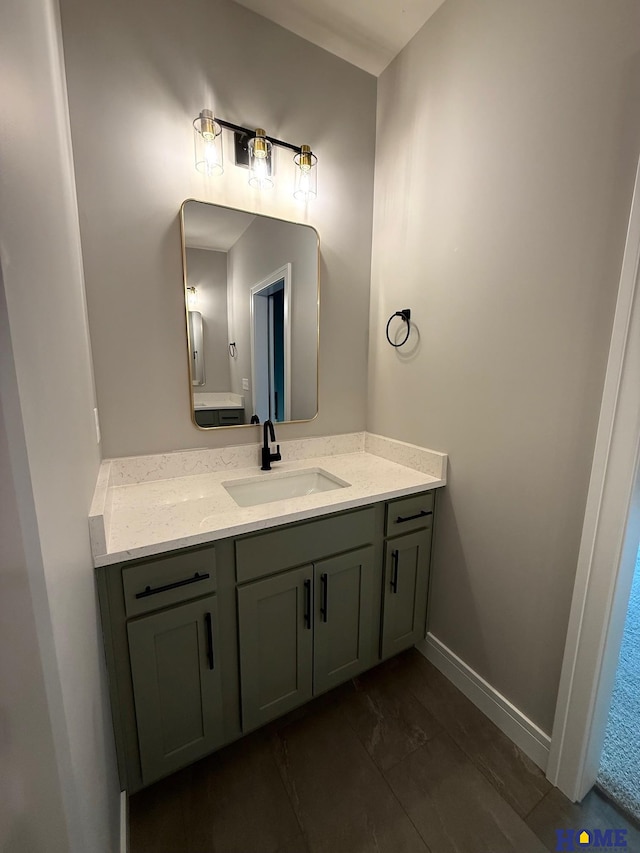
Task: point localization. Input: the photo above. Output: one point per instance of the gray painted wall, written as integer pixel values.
(46, 392)
(207, 271)
(500, 217)
(32, 813)
(138, 73)
(265, 247)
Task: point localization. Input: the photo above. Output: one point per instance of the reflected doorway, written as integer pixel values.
(270, 346)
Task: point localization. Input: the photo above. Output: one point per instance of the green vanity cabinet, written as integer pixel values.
(166, 621)
(207, 643)
(305, 631)
(344, 625)
(276, 644)
(177, 686)
(219, 417)
(406, 573)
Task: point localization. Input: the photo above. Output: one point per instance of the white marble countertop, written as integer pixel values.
(142, 513)
(217, 400)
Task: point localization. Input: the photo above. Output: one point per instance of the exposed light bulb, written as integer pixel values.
(260, 161)
(211, 157)
(208, 144)
(192, 298)
(306, 183)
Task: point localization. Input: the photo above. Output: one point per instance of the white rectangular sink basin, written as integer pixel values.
(272, 486)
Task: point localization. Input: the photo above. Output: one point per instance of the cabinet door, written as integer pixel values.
(406, 580)
(343, 629)
(206, 417)
(275, 625)
(176, 686)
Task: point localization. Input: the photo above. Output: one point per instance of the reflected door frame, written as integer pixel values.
(257, 291)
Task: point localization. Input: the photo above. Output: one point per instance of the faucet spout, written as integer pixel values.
(268, 457)
(268, 431)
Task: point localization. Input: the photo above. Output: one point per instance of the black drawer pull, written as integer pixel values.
(324, 580)
(394, 572)
(421, 514)
(307, 604)
(147, 591)
(207, 620)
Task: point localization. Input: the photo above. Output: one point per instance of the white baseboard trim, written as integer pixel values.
(124, 822)
(532, 740)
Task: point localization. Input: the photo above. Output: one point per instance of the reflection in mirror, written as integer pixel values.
(251, 301)
(197, 347)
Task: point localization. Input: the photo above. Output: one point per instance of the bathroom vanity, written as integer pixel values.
(218, 409)
(207, 641)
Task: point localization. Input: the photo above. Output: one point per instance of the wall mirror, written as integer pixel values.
(251, 304)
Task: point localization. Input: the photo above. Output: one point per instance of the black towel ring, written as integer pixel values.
(406, 316)
(233, 350)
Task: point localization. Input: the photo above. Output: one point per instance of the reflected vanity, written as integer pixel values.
(251, 288)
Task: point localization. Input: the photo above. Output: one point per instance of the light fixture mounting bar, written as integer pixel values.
(246, 131)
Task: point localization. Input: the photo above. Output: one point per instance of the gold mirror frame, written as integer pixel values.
(186, 310)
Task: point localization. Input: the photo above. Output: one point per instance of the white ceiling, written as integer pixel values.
(367, 33)
(207, 226)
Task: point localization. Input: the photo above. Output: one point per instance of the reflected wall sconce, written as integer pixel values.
(253, 150)
(192, 298)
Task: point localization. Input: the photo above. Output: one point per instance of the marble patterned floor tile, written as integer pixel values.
(296, 845)
(508, 769)
(390, 722)
(235, 801)
(342, 802)
(454, 807)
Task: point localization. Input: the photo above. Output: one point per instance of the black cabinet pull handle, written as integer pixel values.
(421, 514)
(324, 580)
(307, 604)
(207, 620)
(394, 572)
(147, 591)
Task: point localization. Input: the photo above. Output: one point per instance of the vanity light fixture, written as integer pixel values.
(192, 298)
(208, 144)
(306, 174)
(253, 150)
(260, 160)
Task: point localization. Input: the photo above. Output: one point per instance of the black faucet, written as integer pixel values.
(267, 456)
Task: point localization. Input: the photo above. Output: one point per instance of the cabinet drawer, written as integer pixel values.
(268, 553)
(407, 514)
(230, 417)
(168, 580)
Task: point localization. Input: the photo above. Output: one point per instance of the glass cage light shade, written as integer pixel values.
(306, 182)
(260, 161)
(207, 141)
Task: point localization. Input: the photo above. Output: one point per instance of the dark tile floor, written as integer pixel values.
(397, 761)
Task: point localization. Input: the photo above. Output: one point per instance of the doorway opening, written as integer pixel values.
(619, 773)
(608, 548)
